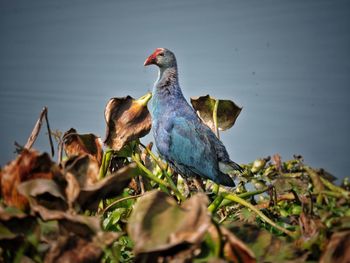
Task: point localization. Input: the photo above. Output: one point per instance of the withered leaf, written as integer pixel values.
(28, 165)
(72, 189)
(9, 213)
(84, 168)
(14, 225)
(46, 192)
(75, 223)
(82, 144)
(71, 248)
(127, 119)
(157, 223)
(265, 246)
(235, 250)
(227, 111)
(311, 231)
(86, 192)
(111, 186)
(337, 249)
(287, 184)
(14, 222)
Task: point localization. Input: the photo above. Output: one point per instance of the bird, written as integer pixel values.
(189, 146)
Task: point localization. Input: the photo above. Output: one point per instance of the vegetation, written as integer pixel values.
(127, 205)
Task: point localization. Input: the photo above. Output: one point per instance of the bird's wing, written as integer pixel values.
(191, 147)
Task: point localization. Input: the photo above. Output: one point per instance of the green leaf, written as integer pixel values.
(227, 111)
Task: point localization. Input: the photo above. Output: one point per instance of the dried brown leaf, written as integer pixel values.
(14, 222)
(84, 168)
(71, 248)
(337, 249)
(127, 119)
(310, 228)
(235, 250)
(277, 161)
(266, 246)
(46, 192)
(28, 165)
(47, 199)
(157, 223)
(14, 226)
(111, 186)
(227, 111)
(82, 144)
(72, 189)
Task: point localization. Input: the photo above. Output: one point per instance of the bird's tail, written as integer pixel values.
(230, 168)
(229, 171)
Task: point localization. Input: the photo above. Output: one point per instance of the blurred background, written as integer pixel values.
(287, 63)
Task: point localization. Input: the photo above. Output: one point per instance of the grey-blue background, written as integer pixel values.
(286, 62)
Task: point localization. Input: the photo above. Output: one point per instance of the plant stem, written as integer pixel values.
(215, 204)
(166, 174)
(120, 200)
(136, 158)
(219, 201)
(105, 163)
(243, 202)
(215, 118)
(244, 195)
(334, 188)
(216, 188)
(317, 183)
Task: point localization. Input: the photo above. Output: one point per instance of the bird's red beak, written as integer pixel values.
(150, 60)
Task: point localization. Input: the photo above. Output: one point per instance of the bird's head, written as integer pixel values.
(161, 57)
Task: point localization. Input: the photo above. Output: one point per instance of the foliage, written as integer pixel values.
(129, 206)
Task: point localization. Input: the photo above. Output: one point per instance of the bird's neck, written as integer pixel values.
(167, 82)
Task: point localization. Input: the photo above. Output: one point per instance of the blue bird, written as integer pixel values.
(190, 147)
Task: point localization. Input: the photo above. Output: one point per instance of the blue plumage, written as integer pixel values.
(191, 148)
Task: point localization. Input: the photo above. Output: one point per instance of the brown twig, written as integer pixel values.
(35, 132)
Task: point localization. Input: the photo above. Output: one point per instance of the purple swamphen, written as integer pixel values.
(182, 139)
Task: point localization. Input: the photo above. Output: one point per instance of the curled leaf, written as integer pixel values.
(82, 144)
(71, 248)
(337, 249)
(27, 166)
(157, 223)
(235, 250)
(111, 186)
(46, 192)
(13, 223)
(127, 119)
(84, 168)
(227, 111)
(87, 193)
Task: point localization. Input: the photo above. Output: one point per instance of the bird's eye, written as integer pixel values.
(161, 54)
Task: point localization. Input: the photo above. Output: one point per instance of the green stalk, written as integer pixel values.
(243, 202)
(215, 118)
(167, 175)
(244, 195)
(119, 201)
(216, 188)
(219, 201)
(136, 158)
(316, 182)
(215, 204)
(105, 163)
(331, 194)
(334, 188)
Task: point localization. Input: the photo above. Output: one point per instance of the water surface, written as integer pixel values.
(286, 62)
